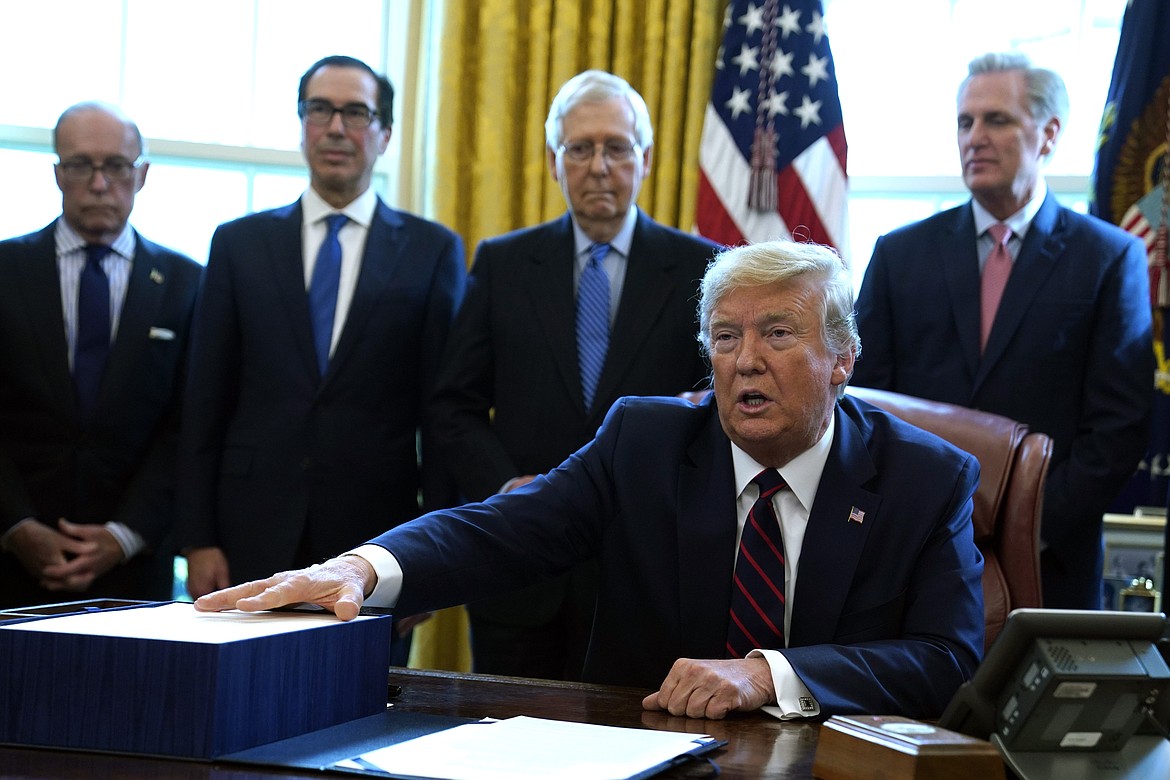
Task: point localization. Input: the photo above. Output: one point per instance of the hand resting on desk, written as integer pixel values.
(695, 688)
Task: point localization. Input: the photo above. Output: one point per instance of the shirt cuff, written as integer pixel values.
(793, 699)
(128, 539)
(386, 566)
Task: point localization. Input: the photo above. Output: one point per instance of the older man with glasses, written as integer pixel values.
(316, 341)
(93, 333)
(561, 320)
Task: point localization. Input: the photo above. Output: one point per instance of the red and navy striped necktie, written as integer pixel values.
(757, 592)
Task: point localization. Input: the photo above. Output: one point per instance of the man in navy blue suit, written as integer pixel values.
(87, 466)
(304, 411)
(879, 605)
(1068, 348)
(511, 401)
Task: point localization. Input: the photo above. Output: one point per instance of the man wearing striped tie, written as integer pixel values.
(778, 545)
(560, 321)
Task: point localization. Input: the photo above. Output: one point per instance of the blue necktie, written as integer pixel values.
(93, 329)
(757, 589)
(592, 321)
(323, 289)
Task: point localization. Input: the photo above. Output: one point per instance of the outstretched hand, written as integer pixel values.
(339, 585)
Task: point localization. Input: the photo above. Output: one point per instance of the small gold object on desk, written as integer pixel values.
(867, 747)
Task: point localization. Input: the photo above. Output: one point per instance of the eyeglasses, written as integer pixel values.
(117, 169)
(356, 116)
(614, 152)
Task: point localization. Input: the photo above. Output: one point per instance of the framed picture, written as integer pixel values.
(1133, 574)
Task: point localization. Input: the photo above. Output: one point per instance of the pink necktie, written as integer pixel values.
(996, 270)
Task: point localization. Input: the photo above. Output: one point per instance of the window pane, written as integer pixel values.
(180, 205)
(36, 201)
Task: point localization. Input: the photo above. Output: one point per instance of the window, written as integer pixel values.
(212, 85)
(899, 65)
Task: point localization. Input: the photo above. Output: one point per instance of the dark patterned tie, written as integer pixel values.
(323, 289)
(592, 321)
(757, 590)
(93, 329)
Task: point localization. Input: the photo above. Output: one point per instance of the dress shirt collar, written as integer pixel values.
(1019, 221)
(620, 243)
(802, 474)
(360, 209)
(68, 240)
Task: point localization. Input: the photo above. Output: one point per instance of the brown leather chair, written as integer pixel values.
(1013, 466)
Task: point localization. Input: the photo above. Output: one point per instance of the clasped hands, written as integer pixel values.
(694, 687)
(66, 558)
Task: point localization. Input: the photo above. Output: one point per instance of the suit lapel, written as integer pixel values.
(706, 540)
(144, 293)
(381, 259)
(549, 286)
(832, 541)
(41, 282)
(960, 265)
(646, 290)
(1037, 258)
(284, 253)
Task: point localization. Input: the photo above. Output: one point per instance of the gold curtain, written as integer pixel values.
(501, 63)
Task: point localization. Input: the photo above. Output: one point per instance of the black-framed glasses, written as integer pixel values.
(356, 116)
(614, 152)
(117, 169)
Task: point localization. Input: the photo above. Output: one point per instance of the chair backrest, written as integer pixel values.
(1013, 465)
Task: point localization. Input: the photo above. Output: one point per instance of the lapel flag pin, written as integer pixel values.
(156, 276)
(856, 516)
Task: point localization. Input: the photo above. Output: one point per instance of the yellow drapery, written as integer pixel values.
(501, 63)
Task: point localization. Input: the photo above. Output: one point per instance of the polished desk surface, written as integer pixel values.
(759, 746)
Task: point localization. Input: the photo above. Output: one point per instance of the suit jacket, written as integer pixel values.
(279, 462)
(1069, 354)
(887, 612)
(120, 467)
(509, 398)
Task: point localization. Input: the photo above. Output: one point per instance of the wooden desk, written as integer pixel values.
(758, 745)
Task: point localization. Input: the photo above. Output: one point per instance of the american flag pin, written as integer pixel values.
(156, 276)
(856, 516)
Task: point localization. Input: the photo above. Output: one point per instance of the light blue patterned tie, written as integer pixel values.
(323, 289)
(592, 321)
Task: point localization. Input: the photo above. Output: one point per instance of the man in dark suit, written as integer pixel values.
(93, 333)
(869, 594)
(511, 401)
(1067, 350)
(303, 411)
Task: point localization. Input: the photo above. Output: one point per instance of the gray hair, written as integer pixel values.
(1047, 95)
(778, 261)
(104, 108)
(595, 86)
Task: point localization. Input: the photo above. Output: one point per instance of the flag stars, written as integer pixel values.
(739, 103)
(781, 64)
(816, 70)
(747, 59)
(788, 22)
(753, 19)
(776, 104)
(809, 112)
(816, 27)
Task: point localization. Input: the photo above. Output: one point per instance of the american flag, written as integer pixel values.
(772, 157)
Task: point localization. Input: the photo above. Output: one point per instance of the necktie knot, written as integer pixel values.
(769, 482)
(334, 222)
(1000, 233)
(597, 252)
(94, 253)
